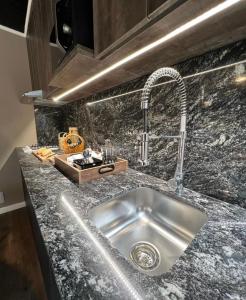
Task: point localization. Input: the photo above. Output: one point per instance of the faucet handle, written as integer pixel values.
(143, 144)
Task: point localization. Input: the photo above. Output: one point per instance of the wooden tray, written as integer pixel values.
(86, 175)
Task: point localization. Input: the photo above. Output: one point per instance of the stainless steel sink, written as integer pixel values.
(151, 229)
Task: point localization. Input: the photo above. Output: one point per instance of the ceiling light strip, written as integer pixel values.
(194, 22)
(170, 81)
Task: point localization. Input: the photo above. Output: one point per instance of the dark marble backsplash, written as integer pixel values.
(215, 152)
(49, 122)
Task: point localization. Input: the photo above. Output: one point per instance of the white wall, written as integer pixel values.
(17, 123)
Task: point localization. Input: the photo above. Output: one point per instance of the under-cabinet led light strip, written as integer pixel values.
(241, 79)
(198, 20)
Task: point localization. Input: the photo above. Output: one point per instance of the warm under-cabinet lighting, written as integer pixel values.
(237, 80)
(240, 79)
(192, 23)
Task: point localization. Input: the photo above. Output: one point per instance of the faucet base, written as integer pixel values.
(144, 163)
(176, 185)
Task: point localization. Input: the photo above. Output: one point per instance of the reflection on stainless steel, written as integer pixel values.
(101, 250)
(144, 138)
(160, 224)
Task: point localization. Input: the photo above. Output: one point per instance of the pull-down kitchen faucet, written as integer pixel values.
(144, 138)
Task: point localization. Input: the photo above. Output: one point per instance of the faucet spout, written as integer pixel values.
(144, 138)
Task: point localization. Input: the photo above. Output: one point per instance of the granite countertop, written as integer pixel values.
(86, 266)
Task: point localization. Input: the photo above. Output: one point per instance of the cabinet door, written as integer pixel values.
(114, 18)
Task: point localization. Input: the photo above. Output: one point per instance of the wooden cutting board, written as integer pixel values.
(49, 159)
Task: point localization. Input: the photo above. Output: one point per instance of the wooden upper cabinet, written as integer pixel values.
(40, 25)
(118, 21)
(114, 18)
(152, 5)
(157, 9)
(121, 27)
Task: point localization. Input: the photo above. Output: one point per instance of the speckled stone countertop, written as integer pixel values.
(86, 266)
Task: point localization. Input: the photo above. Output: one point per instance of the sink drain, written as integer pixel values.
(145, 255)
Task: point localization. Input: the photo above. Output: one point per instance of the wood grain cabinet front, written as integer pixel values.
(113, 19)
(121, 27)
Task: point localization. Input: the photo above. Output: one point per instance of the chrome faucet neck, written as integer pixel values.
(144, 138)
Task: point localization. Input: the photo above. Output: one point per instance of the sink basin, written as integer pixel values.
(149, 228)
